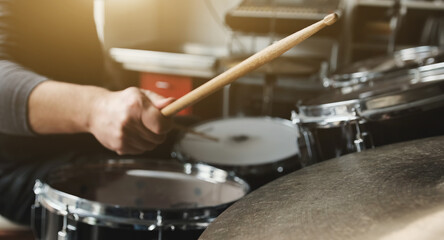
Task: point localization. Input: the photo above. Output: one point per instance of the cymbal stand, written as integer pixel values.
(268, 95)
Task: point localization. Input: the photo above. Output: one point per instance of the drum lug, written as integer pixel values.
(68, 230)
(362, 139)
(359, 144)
(295, 119)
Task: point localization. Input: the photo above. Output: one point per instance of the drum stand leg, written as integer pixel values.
(226, 101)
(268, 96)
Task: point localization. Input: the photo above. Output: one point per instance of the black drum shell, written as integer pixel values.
(407, 111)
(51, 223)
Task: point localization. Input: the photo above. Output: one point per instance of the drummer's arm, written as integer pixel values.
(128, 121)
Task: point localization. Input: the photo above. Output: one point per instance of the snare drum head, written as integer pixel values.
(242, 142)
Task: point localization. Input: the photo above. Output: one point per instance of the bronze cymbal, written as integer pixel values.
(391, 192)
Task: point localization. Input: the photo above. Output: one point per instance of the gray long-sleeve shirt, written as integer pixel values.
(16, 84)
(40, 40)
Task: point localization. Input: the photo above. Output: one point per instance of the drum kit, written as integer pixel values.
(359, 195)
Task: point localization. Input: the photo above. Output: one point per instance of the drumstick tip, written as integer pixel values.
(331, 18)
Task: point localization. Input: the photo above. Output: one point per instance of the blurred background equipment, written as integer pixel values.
(227, 32)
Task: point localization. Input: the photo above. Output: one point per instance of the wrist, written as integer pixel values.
(95, 103)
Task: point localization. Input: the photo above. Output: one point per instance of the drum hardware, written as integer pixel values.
(157, 199)
(397, 13)
(344, 116)
(359, 141)
(377, 68)
(36, 213)
(67, 229)
(396, 80)
(391, 192)
(268, 97)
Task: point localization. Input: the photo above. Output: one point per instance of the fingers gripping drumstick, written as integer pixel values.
(248, 65)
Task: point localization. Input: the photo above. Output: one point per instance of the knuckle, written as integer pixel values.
(132, 91)
(132, 102)
(133, 97)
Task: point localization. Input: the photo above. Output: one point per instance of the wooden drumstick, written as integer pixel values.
(266, 55)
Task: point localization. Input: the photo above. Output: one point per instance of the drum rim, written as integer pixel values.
(116, 216)
(349, 79)
(307, 113)
(422, 74)
(179, 154)
(419, 78)
(414, 104)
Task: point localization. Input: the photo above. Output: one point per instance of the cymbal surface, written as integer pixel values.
(392, 192)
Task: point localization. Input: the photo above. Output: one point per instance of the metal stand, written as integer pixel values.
(268, 96)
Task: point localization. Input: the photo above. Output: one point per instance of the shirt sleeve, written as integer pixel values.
(16, 82)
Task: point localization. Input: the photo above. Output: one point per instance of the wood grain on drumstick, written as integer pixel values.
(248, 65)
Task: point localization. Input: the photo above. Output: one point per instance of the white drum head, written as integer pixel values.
(242, 141)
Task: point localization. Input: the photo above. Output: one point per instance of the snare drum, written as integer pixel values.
(398, 63)
(391, 111)
(257, 149)
(132, 199)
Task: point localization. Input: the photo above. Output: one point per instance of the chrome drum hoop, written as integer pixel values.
(115, 216)
(329, 114)
(401, 62)
(420, 98)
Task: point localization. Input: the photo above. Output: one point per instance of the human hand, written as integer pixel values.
(129, 121)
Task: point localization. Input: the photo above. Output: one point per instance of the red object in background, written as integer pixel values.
(167, 86)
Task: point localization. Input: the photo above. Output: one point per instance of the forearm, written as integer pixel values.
(57, 107)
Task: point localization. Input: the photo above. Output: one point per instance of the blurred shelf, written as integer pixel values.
(422, 5)
(174, 63)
